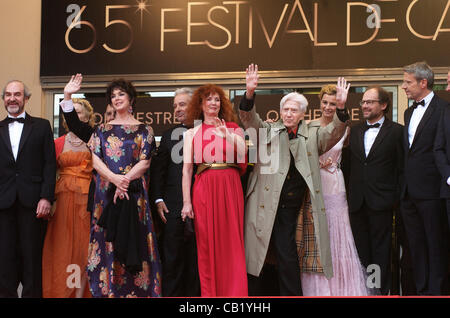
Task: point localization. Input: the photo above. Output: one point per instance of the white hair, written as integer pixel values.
(299, 99)
(184, 90)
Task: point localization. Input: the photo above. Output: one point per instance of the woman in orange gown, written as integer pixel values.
(217, 148)
(66, 242)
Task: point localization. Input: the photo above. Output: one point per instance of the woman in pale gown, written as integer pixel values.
(349, 277)
(66, 242)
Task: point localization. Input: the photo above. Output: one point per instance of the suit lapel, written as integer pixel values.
(361, 150)
(27, 127)
(408, 114)
(426, 116)
(381, 134)
(4, 132)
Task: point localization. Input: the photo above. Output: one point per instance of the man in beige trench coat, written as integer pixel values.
(285, 179)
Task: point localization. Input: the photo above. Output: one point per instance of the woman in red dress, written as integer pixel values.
(216, 146)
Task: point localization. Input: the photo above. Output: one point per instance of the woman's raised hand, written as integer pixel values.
(341, 92)
(221, 128)
(73, 86)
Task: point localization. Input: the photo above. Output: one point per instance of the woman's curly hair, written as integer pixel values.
(195, 111)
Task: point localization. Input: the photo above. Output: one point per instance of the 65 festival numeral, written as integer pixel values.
(76, 23)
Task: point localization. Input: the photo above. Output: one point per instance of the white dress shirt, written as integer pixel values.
(370, 135)
(15, 132)
(416, 117)
(67, 106)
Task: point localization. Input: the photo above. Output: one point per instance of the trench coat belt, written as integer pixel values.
(204, 166)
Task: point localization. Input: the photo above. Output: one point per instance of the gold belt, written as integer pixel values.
(203, 166)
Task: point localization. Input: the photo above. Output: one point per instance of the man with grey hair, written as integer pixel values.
(28, 175)
(422, 209)
(179, 258)
(275, 196)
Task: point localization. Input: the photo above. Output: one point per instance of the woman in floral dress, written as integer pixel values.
(121, 156)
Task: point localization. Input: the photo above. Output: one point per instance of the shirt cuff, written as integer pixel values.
(66, 105)
(342, 114)
(158, 200)
(448, 181)
(247, 104)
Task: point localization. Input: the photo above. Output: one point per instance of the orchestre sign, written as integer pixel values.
(158, 111)
(110, 37)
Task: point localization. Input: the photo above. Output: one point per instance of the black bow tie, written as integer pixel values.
(376, 125)
(13, 119)
(415, 104)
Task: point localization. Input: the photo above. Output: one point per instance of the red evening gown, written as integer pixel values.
(218, 204)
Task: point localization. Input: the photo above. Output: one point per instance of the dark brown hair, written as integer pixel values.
(383, 96)
(123, 85)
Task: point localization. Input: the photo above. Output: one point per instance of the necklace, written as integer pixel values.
(74, 140)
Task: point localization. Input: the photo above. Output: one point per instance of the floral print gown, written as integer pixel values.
(120, 148)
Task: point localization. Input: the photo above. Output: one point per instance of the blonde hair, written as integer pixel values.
(88, 110)
(329, 89)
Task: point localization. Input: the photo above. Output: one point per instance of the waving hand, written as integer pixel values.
(341, 92)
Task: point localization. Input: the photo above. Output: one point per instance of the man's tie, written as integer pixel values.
(292, 135)
(415, 104)
(376, 125)
(13, 119)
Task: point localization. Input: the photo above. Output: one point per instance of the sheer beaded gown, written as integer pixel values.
(349, 278)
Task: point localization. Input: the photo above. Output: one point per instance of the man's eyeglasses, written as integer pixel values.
(368, 102)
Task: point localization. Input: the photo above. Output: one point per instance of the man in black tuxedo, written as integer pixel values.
(422, 209)
(179, 258)
(376, 168)
(27, 186)
(442, 152)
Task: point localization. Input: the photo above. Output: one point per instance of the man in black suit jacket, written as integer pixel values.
(423, 211)
(27, 186)
(442, 152)
(376, 168)
(179, 258)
